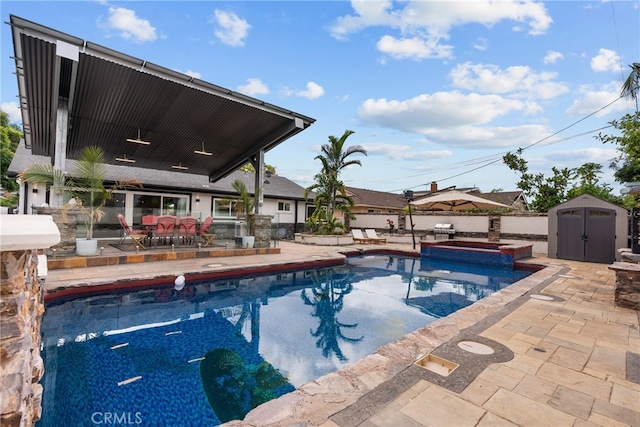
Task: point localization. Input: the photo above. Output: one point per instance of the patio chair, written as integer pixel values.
(165, 228)
(187, 227)
(358, 237)
(203, 232)
(136, 235)
(373, 236)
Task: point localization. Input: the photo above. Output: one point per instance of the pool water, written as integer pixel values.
(213, 350)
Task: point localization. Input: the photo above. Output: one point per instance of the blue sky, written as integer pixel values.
(432, 89)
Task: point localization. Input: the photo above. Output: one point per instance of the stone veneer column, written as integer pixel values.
(21, 308)
(494, 228)
(67, 222)
(262, 230)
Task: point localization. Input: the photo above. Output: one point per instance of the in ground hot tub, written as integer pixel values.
(490, 253)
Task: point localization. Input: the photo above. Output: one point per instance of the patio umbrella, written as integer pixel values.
(455, 200)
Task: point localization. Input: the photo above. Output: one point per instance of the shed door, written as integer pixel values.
(587, 234)
(601, 235)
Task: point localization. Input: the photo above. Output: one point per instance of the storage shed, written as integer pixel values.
(587, 228)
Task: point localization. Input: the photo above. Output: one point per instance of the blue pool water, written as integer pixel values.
(210, 352)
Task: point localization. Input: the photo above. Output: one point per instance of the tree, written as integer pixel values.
(244, 204)
(10, 136)
(631, 85)
(331, 193)
(86, 185)
(627, 163)
(248, 167)
(546, 192)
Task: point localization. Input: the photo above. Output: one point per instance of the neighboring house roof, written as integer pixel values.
(514, 199)
(278, 186)
(376, 199)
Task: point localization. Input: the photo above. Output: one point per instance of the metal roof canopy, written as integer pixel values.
(103, 97)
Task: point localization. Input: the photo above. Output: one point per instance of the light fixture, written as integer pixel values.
(125, 159)
(203, 151)
(179, 166)
(138, 140)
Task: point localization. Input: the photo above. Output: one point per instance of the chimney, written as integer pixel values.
(434, 186)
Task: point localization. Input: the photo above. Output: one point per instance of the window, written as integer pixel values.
(284, 207)
(223, 208)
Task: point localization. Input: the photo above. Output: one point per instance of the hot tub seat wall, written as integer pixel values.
(488, 253)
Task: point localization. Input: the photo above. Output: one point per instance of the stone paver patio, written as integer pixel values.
(573, 355)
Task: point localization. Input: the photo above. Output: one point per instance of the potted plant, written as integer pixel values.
(86, 188)
(244, 206)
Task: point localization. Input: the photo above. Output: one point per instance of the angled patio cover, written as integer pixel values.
(455, 201)
(103, 97)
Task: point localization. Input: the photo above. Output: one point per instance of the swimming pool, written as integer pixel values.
(211, 351)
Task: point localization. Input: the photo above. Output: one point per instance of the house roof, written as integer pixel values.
(111, 97)
(277, 186)
(508, 198)
(376, 199)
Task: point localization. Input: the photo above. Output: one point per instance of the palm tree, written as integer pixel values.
(86, 185)
(631, 85)
(331, 191)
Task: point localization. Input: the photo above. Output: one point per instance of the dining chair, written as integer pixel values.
(165, 229)
(187, 227)
(136, 235)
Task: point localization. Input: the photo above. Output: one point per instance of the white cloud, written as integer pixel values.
(129, 25)
(13, 111)
(312, 91)
(230, 28)
(481, 43)
(487, 137)
(422, 26)
(439, 110)
(592, 99)
(584, 155)
(552, 57)
(403, 152)
(605, 60)
(519, 81)
(412, 48)
(194, 74)
(254, 87)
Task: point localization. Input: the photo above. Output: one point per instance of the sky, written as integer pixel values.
(434, 90)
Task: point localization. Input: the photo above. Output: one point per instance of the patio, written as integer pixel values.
(576, 356)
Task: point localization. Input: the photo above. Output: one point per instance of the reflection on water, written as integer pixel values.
(212, 350)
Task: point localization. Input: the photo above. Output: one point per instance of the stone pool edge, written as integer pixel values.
(317, 401)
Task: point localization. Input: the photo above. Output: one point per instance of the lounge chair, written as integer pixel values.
(373, 236)
(136, 235)
(203, 234)
(358, 237)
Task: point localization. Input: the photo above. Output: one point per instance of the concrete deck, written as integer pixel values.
(565, 355)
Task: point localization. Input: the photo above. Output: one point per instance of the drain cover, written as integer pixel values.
(542, 297)
(475, 347)
(215, 265)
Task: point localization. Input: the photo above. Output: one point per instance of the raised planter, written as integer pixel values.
(86, 247)
(323, 240)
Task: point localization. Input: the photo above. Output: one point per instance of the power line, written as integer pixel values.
(526, 147)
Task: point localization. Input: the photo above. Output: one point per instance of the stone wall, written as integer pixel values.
(21, 367)
(262, 230)
(627, 293)
(67, 222)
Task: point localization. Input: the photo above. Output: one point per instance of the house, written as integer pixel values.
(186, 137)
(175, 193)
(514, 199)
(370, 201)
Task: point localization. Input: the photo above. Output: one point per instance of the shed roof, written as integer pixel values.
(377, 199)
